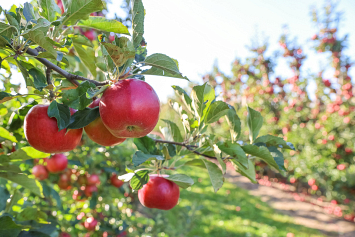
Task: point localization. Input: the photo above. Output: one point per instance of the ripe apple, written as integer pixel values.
(65, 185)
(98, 133)
(130, 108)
(115, 181)
(89, 190)
(90, 34)
(64, 234)
(159, 193)
(60, 5)
(42, 132)
(90, 223)
(93, 179)
(57, 163)
(40, 172)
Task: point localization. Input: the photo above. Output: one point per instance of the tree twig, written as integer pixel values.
(188, 147)
(71, 77)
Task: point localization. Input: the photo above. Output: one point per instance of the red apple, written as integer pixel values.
(93, 179)
(57, 163)
(40, 172)
(130, 108)
(90, 34)
(159, 193)
(89, 190)
(64, 234)
(42, 132)
(65, 185)
(98, 133)
(90, 223)
(60, 5)
(115, 181)
(311, 182)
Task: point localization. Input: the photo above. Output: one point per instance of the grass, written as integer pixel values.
(201, 212)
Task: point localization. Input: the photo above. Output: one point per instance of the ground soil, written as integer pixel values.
(303, 213)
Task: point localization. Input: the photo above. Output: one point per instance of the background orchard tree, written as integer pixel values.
(66, 67)
(320, 122)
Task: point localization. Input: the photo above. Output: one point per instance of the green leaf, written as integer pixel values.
(103, 24)
(216, 111)
(182, 180)
(145, 144)
(249, 173)
(162, 65)
(270, 140)
(81, 10)
(83, 117)
(6, 31)
(139, 179)
(39, 79)
(3, 199)
(32, 233)
(5, 97)
(87, 56)
(14, 199)
(202, 97)
(31, 213)
(6, 134)
(215, 173)
(218, 154)
(121, 52)
(137, 22)
(82, 40)
(262, 153)
(108, 60)
(12, 21)
(196, 162)
(139, 158)
(174, 130)
(24, 66)
(8, 228)
(93, 92)
(10, 168)
(234, 124)
(77, 98)
(38, 35)
(185, 97)
(29, 13)
(255, 121)
(31, 184)
(278, 157)
(61, 112)
(27, 152)
(235, 151)
(49, 9)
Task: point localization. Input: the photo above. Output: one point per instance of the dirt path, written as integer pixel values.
(305, 214)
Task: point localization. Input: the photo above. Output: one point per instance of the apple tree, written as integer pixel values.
(78, 143)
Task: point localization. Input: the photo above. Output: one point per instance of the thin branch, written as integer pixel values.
(188, 147)
(71, 77)
(48, 76)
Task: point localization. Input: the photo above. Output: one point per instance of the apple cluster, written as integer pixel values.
(128, 109)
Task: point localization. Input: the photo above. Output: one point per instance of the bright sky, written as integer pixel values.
(199, 33)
